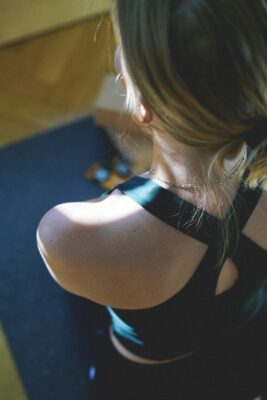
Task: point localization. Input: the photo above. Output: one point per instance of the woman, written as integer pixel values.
(178, 254)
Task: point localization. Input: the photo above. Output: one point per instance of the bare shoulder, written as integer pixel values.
(86, 247)
(109, 251)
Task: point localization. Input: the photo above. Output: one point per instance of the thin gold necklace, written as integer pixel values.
(190, 186)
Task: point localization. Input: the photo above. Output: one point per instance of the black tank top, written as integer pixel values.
(194, 315)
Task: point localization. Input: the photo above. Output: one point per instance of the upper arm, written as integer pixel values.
(71, 239)
(55, 238)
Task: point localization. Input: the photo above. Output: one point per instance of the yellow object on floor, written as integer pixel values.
(11, 387)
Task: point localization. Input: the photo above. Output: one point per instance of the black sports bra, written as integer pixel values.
(194, 314)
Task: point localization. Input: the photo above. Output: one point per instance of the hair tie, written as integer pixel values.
(255, 135)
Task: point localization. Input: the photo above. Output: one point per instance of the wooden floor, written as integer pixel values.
(54, 78)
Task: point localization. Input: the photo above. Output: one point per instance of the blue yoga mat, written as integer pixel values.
(48, 330)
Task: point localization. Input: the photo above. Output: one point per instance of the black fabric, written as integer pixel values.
(230, 357)
(231, 369)
(195, 315)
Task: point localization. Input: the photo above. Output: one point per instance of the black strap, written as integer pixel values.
(169, 207)
(183, 215)
(177, 212)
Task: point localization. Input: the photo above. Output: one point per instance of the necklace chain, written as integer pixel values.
(190, 186)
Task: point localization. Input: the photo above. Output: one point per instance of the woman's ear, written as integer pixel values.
(143, 115)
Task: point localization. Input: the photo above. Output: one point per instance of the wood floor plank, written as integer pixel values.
(53, 78)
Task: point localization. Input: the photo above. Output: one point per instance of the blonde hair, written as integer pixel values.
(203, 73)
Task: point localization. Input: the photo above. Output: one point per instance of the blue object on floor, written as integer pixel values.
(92, 373)
(122, 168)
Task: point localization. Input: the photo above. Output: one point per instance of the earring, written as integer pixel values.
(119, 84)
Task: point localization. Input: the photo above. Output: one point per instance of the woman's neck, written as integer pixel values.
(179, 164)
